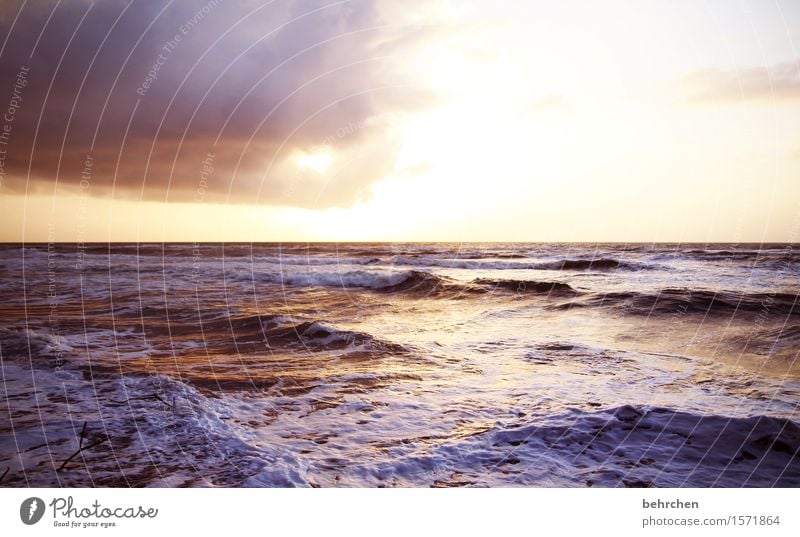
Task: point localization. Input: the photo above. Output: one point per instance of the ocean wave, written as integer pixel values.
(417, 283)
(782, 254)
(528, 286)
(691, 301)
(375, 279)
(425, 283)
(315, 260)
(457, 263)
(386, 280)
(603, 264)
(253, 333)
(625, 446)
(639, 446)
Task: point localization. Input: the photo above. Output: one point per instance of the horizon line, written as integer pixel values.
(95, 243)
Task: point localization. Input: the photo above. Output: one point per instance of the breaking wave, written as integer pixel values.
(280, 332)
(414, 283)
(356, 278)
(604, 264)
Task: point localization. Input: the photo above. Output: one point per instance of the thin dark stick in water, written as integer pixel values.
(83, 432)
(160, 399)
(145, 398)
(4, 473)
(82, 448)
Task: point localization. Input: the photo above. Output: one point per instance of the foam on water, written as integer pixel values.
(401, 365)
(150, 430)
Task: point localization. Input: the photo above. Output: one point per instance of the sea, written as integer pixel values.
(399, 365)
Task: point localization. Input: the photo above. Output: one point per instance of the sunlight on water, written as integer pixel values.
(402, 365)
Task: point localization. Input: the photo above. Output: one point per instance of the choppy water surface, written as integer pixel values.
(400, 365)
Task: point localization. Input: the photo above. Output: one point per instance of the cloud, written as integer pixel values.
(777, 82)
(150, 89)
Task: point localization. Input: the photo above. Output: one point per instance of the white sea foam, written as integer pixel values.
(165, 431)
(337, 372)
(375, 279)
(314, 260)
(472, 264)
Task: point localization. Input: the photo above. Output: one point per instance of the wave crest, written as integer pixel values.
(692, 301)
(276, 332)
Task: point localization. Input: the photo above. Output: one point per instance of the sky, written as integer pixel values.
(389, 120)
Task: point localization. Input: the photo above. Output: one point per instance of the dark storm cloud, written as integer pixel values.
(776, 82)
(150, 89)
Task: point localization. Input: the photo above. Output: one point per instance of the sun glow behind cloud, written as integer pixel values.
(530, 121)
(578, 142)
(318, 160)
